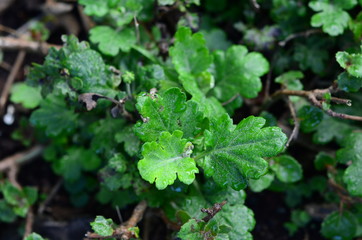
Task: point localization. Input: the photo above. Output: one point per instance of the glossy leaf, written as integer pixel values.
(323, 160)
(349, 83)
(102, 226)
(353, 180)
(331, 129)
(352, 150)
(168, 159)
(339, 226)
(262, 183)
(167, 112)
(351, 62)
(235, 153)
(286, 168)
(310, 117)
(34, 236)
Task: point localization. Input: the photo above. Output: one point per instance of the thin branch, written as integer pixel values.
(20, 158)
(11, 78)
(230, 100)
(255, 5)
(211, 212)
(295, 131)
(123, 231)
(10, 43)
(29, 222)
(314, 95)
(297, 35)
(51, 195)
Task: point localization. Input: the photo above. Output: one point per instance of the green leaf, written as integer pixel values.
(332, 16)
(291, 80)
(351, 62)
(312, 55)
(287, 169)
(189, 53)
(102, 226)
(338, 225)
(29, 97)
(34, 236)
(95, 7)
(262, 183)
(352, 150)
(55, 116)
(331, 129)
(195, 230)
(167, 112)
(132, 143)
(168, 159)
(111, 41)
(76, 160)
(235, 153)
(310, 117)
(6, 213)
(352, 178)
(239, 218)
(349, 83)
(216, 39)
(323, 160)
(238, 71)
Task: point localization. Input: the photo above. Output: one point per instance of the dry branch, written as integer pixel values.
(316, 98)
(10, 43)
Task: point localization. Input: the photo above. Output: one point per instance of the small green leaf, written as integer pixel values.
(111, 41)
(353, 180)
(349, 83)
(287, 169)
(332, 16)
(351, 62)
(95, 7)
(258, 185)
(323, 160)
(189, 53)
(55, 116)
(235, 153)
(352, 150)
(34, 236)
(29, 97)
(238, 71)
(338, 225)
(291, 80)
(168, 159)
(310, 118)
(102, 226)
(167, 112)
(239, 218)
(6, 213)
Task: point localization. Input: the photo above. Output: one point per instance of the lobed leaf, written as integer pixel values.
(102, 226)
(235, 153)
(168, 159)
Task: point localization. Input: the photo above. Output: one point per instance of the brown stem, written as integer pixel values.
(211, 212)
(11, 78)
(20, 158)
(295, 131)
(10, 43)
(314, 95)
(231, 99)
(297, 35)
(29, 222)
